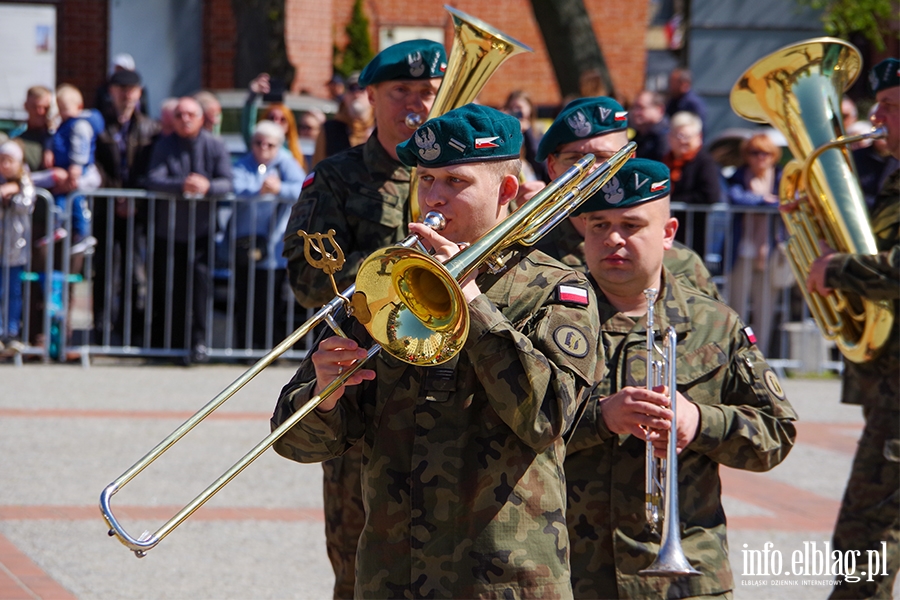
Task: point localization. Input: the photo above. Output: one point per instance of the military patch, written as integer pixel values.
(750, 335)
(579, 124)
(572, 294)
(429, 149)
(309, 180)
(621, 116)
(613, 192)
(772, 384)
(571, 341)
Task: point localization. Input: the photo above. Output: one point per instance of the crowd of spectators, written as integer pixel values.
(66, 149)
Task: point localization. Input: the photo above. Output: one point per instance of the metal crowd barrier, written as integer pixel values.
(163, 274)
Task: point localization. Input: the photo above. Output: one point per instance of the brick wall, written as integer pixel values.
(219, 34)
(620, 28)
(309, 37)
(82, 45)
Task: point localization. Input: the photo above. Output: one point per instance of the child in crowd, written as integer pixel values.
(73, 147)
(16, 205)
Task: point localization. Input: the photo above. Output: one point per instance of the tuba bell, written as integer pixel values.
(477, 51)
(798, 90)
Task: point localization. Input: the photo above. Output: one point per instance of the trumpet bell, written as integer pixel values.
(411, 305)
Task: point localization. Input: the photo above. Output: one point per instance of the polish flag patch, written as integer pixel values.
(750, 335)
(572, 294)
(487, 142)
(308, 181)
(621, 116)
(659, 185)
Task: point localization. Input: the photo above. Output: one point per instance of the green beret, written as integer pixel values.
(884, 75)
(415, 59)
(470, 133)
(639, 180)
(580, 119)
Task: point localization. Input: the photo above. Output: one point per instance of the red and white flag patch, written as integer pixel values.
(572, 294)
(621, 116)
(487, 142)
(309, 179)
(750, 335)
(659, 185)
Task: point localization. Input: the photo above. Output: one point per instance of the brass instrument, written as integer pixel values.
(798, 91)
(661, 475)
(400, 275)
(477, 51)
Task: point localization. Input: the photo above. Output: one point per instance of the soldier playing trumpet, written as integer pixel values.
(731, 408)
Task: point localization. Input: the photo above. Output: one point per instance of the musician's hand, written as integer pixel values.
(686, 430)
(334, 356)
(815, 281)
(444, 249)
(789, 207)
(634, 410)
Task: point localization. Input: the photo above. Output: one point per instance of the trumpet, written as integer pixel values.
(661, 475)
(410, 303)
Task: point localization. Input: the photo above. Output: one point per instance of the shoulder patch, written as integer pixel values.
(772, 384)
(309, 180)
(750, 335)
(571, 341)
(568, 293)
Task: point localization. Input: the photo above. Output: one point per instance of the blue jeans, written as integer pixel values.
(10, 301)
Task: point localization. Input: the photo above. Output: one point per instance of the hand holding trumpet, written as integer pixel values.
(645, 414)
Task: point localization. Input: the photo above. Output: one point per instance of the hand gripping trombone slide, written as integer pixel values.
(410, 303)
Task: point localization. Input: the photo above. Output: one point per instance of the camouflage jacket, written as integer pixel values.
(566, 245)
(362, 194)
(745, 423)
(877, 277)
(462, 474)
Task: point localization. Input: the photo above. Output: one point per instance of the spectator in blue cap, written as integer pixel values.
(464, 495)
(362, 193)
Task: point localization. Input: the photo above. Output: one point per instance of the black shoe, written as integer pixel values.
(200, 354)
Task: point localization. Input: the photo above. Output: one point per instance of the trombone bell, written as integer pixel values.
(415, 308)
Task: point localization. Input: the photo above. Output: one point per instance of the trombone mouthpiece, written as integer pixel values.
(413, 120)
(435, 220)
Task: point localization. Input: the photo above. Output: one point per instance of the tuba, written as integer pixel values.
(798, 91)
(477, 51)
(661, 475)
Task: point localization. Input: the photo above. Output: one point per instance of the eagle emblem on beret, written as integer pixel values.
(613, 192)
(416, 64)
(429, 149)
(579, 124)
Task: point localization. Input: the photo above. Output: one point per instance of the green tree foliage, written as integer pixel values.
(359, 51)
(870, 18)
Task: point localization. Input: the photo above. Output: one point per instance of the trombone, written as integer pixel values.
(409, 302)
(661, 475)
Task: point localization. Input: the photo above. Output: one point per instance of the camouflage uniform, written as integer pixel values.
(462, 463)
(745, 423)
(566, 245)
(870, 511)
(363, 195)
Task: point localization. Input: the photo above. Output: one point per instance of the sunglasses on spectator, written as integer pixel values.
(353, 87)
(758, 153)
(264, 144)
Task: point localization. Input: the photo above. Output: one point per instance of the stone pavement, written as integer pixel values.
(67, 432)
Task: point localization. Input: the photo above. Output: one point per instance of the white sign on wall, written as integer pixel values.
(28, 48)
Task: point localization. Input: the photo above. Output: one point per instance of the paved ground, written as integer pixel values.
(67, 432)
